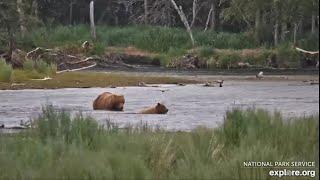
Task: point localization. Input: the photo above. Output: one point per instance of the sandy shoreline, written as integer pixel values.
(201, 77)
(91, 79)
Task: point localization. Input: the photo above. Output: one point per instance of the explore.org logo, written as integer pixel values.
(281, 169)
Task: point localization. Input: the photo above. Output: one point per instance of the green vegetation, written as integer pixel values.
(28, 65)
(31, 70)
(40, 67)
(5, 71)
(155, 39)
(218, 48)
(78, 148)
(284, 53)
(206, 52)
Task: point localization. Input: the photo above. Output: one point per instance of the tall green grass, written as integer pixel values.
(156, 39)
(169, 43)
(39, 67)
(62, 147)
(5, 71)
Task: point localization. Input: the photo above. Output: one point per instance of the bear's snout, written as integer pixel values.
(119, 107)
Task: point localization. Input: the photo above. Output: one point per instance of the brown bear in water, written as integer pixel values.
(109, 101)
(158, 109)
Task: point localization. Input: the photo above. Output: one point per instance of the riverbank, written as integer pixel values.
(168, 47)
(87, 80)
(104, 79)
(59, 147)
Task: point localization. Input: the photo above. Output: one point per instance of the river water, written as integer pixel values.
(189, 106)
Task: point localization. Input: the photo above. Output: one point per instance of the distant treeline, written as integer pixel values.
(269, 21)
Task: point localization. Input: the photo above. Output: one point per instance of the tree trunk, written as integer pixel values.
(214, 17)
(22, 22)
(257, 24)
(210, 14)
(295, 30)
(184, 20)
(300, 30)
(313, 24)
(264, 19)
(146, 13)
(35, 9)
(283, 31)
(93, 27)
(71, 12)
(194, 12)
(276, 33)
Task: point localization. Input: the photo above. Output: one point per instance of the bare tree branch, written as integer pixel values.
(184, 20)
(208, 18)
(93, 27)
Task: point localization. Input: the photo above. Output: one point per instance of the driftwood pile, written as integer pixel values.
(66, 62)
(63, 61)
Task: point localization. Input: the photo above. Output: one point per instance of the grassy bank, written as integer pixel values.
(155, 39)
(151, 38)
(171, 43)
(63, 148)
(26, 80)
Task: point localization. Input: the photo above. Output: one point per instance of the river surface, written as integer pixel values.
(189, 106)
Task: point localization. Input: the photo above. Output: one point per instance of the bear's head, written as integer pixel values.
(161, 109)
(119, 104)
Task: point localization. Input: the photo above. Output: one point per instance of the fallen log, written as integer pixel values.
(307, 52)
(79, 69)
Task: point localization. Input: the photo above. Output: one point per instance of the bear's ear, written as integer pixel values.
(158, 104)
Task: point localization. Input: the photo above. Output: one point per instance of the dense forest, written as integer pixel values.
(270, 21)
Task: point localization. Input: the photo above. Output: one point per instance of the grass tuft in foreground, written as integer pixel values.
(63, 147)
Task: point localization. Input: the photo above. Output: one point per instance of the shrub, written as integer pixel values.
(206, 52)
(264, 56)
(174, 52)
(99, 49)
(28, 65)
(287, 56)
(5, 71)
(45, 68)
(229, 60)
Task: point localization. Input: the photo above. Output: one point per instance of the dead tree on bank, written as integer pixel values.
(184, 19)
(213, 17)
(146, 12)
(209, 17)
(93, 27)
